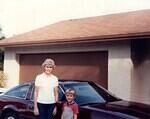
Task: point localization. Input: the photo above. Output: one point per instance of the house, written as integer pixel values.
(112, 50)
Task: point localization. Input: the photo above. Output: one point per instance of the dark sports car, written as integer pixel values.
(94, 102)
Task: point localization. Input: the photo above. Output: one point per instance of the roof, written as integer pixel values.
(99, 28)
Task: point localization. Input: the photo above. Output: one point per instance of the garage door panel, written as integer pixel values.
(75, 66)
(79, 72)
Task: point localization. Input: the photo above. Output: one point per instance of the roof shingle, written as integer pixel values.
(100, 28)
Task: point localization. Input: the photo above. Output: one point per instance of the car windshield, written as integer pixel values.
(87, 93)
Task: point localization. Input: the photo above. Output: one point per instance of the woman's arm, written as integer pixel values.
(36, 91)
(56, 99)
(62, 115)
(56, 93)
(75, 116)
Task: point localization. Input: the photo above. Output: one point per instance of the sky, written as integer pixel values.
(19, 16)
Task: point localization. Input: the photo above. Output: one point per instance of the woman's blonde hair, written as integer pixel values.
(48, 62)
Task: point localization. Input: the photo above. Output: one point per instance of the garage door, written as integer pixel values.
(69, 66)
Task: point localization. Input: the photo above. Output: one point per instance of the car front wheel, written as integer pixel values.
(10, 115)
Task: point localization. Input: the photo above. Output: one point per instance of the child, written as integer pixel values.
(70, 107)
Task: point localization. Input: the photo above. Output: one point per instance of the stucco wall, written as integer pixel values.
(141, 83)
(119, 64)
(140, 90)
(11, 68)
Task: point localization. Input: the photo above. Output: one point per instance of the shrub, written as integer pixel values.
(3, 79)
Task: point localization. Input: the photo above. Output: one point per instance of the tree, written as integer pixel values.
(2, 36)
(2, 75)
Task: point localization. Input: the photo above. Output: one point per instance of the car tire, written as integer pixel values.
(10, 115)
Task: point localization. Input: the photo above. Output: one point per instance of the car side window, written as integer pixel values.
(85, 93)
(19, 92)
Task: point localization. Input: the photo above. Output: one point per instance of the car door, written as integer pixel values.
(61, 98)
(29, 114)
(17, 100)
(86, 96)
(30, 105)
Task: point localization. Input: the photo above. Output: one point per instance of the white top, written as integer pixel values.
(46, 84)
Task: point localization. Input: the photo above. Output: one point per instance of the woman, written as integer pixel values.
(46, 91)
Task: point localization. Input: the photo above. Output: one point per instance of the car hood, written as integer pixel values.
(139, 110)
